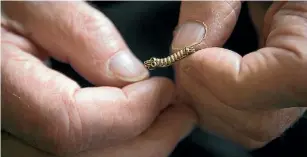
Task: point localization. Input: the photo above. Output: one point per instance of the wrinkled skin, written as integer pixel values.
(243, 99)
(45, 113)
(249, 99)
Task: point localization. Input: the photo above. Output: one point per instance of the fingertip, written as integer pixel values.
(166, 82)
(97, 95)
(163, 84)
(156, 92)
(153, 82)
(126, 67)
(212, 62)
(216, 20)
(84, 37)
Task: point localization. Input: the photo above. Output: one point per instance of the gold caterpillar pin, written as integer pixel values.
(153, 62)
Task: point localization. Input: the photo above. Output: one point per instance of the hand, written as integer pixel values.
(158, 140)
(246, 99)
(50, 112)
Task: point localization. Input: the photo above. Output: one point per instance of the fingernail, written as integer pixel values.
(125, 66)
(187, 34)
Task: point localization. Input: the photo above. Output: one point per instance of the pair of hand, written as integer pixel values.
(128, 114)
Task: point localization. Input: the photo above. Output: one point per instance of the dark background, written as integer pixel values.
(147, 28)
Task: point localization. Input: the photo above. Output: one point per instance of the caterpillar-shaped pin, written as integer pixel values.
(154, 62)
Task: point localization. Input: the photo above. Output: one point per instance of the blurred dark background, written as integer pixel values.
(147, 28)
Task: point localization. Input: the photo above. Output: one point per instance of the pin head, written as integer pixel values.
(151, 63)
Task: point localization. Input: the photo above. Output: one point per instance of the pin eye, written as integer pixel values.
(153, 64)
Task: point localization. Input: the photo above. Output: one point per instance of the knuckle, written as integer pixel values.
(291, 14)
(62, 138)
(95, 27)
(54, 140)
(232, 8)
(91, 24)
(11, 54)
(96, 22)
(65, 133)
(298, 9)
(15, 44)
(60, 132)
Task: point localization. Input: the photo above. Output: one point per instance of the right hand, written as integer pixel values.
(250, 99)
(48, 110)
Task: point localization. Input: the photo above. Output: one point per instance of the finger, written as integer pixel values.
(159, 140)
(281, 65)
(265, 78)
(253, 131)
(61, 118)
(257, 11)
(219, 19)
(8, 37)
(76, 33)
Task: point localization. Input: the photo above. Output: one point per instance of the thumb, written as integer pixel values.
(219, 19)
(273, 75)
(76, 33)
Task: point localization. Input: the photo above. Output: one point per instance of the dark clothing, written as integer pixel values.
(147, 28)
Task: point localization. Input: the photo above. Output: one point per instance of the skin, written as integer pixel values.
(245, 99)
(45, 113)
(249, 99)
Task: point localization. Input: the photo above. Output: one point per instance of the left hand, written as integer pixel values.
(159, 140)
(244, 99)
(42, 109)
